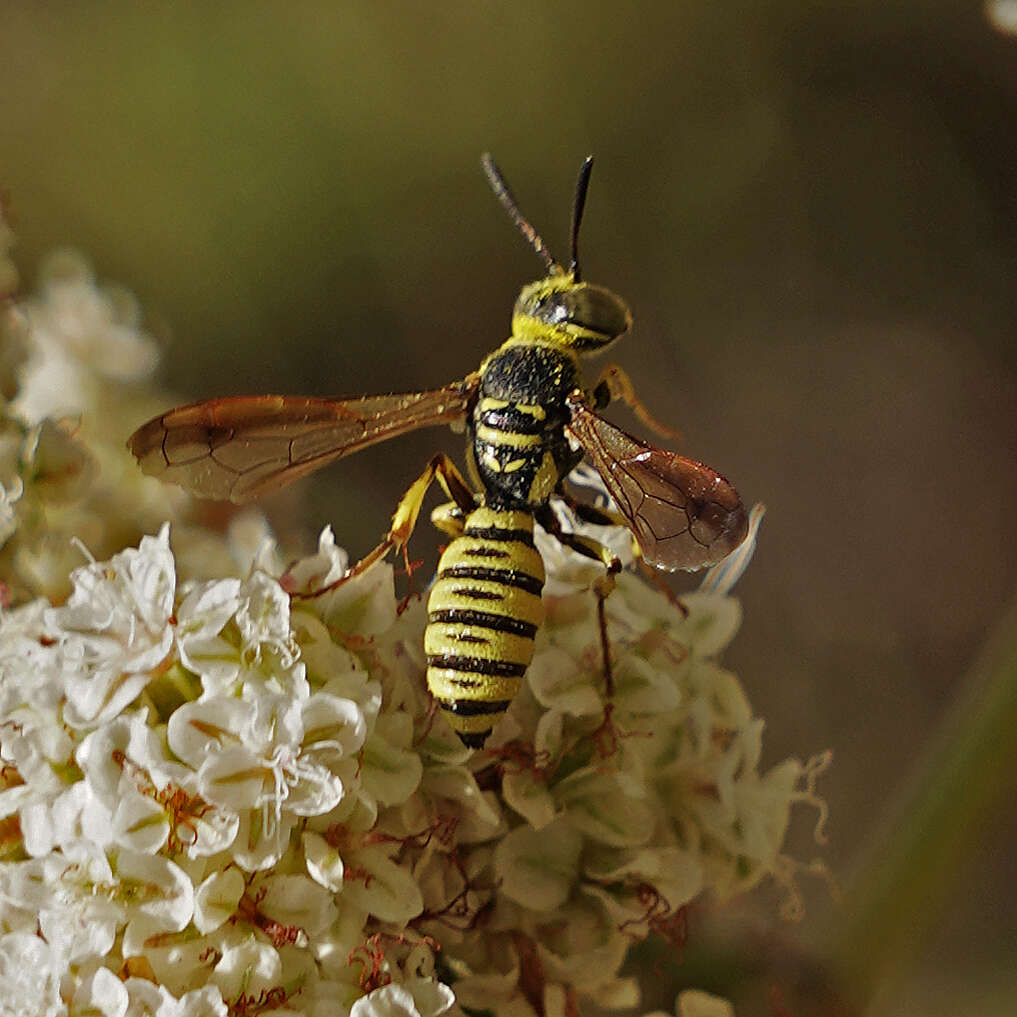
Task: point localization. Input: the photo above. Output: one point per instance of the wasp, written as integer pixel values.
(529, 421)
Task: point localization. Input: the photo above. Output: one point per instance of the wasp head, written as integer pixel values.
(577, 315)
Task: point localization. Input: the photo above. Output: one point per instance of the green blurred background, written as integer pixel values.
(811, 208)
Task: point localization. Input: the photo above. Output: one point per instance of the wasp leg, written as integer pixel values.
(450, 519)
(404, 519)
(602, 588)
(613, 384)
(603, 517)
(590, 513)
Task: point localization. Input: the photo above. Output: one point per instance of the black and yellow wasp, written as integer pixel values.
(529, 421)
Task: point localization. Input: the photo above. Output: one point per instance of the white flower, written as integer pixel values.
(236, 788)
(115, 629)
(273, 757)
(78, 332)
(419, 998)
(100, 993)
(30, 972)
(200, 619)
(264, 619)
(9, 496)
(147, 999)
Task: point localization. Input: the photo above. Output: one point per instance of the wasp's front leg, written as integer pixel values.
(614, 384)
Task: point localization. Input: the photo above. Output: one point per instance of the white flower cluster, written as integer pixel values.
(74, 366)
(233, 796)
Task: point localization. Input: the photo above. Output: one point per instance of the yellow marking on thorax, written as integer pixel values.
(544, 480)
(510, 439)
(490, 403)
(534, 410)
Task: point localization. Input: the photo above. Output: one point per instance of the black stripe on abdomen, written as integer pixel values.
(496, 533)
(476, 665)
(520, 580)
(475, 707)
(484, 620)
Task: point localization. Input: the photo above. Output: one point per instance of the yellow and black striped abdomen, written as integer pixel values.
(483, 612)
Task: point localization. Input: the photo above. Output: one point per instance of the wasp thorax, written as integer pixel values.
(578, 315)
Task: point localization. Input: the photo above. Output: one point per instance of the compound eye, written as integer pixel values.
(598, 311)
(578, 315)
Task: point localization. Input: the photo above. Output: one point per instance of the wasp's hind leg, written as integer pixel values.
(614, 384)
(605, 517)
(602, 588)
(591, 514)
(404, 519)
(450, 518)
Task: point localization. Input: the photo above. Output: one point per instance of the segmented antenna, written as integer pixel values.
(504, 195)
(577, 212)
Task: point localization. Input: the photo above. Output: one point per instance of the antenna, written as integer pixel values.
(504, 195)
(577, 213)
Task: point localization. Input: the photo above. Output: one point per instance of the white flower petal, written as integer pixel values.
(196, 731)
(333, 723)
(381, 887)
(264, 617)
(538, 868)
(149, 1000)
(297, 901)
(176, 962)
(606, 807)
(459, 785)
(139, 823)
(365, 605)
(324, 863)
(318, 570)
(430, 996)
(251, 967)
(711, 623)
(409, 1000)
(156, 888)
(389, 773)
(528, 794)
(216, 899)
(237, 778)
(30, 976)
(562, 683)
(101, 994)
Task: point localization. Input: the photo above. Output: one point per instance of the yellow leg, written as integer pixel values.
(450, 519)
(616, 384)
(404, 519)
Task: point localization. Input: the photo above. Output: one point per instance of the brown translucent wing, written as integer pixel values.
(684, 514)
(242, 447)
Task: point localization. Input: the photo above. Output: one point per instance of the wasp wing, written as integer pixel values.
(684, 514)
(242, 447)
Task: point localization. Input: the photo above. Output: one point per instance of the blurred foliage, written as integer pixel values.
(811, 208)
